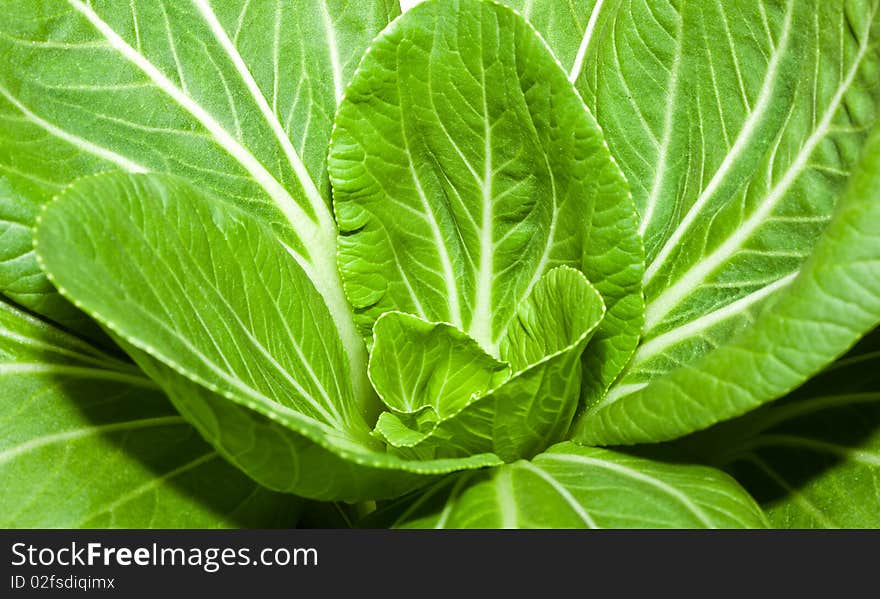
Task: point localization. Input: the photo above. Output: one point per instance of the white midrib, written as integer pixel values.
(578, 65)
(225, 374)
(481, 322)
(663, 153)
(744, 138)
(80, 433)
(335, 65)
(442, 251)
(276, 50)
(675, 294)
(557, 487)
(309, 231)
(74, 140)
(656, 345)
(319, 237)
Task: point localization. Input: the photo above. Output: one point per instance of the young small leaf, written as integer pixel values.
(416, 364)
(533, 408)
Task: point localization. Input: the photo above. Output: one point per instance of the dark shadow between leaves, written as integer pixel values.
(178, 455)
(840, 407)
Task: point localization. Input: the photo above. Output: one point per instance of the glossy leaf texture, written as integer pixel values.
(238, 97)
(88, 441)
(765, 111)
(464, 167)
(812, 460)
(579, 487)
(513, 417)
(241, 341)
(823, 312)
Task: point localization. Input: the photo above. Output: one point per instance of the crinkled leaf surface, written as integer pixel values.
(533, 408)
(236, 96)
(416, 364)
(820, 315)
(812, 460)
(464, 167)
(579, 487)
(89, 441)
(241, 335)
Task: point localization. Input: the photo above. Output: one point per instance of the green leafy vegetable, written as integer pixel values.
(417, 365)
(253, 252)
(196, 89)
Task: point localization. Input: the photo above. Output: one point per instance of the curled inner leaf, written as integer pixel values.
(485, 405)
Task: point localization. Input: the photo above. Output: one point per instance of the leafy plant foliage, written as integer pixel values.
(450, 261)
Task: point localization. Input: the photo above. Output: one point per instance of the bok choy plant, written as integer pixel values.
(482, 264)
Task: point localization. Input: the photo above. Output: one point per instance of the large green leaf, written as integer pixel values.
(240, 340)
(283, 452)
(465, 166)
(151, 257)
(236, 96)
(792, 124)
(813, 460)
(89, 441)
(531, 409)
(820, 315)
(737, 124)
(579, 487)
